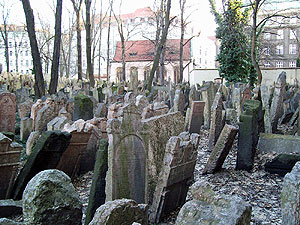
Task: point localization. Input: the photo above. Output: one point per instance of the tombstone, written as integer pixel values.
(64, 113)
(231, 116)
(9, 162)
(221, 149)
(44, 116)
(276, 109)
(246, 94)
(208, 95)
(129, 98)
(25, 128)
(121, 211)
(10, 208)
(31, 140)
(159, 129)
(160, 108)
(207, 208)
(141, 102)
(25, 108)
(101, 110)
(282, 164)
(34, 110)
(194, 95)
(22, 95)
(176, 174)
(97, 190)
(83, 108)
(127, 151)
(237, 100)
(290, 197)
(148, 112)
(133, 80)
(179, 101)
(196, 117)
(50, 198)
(46, 154)
(249, 129)
(216, 124)
(265, 97)
(7, 112)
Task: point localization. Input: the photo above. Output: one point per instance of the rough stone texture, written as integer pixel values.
(9, 162)
(5, 221)
(276, 110)
(7, 112)
(237, 100)
(9, 207)
(208, 95)
(33, 137)
(50, 125)
(221, 149)
(231, 116)
(158, 131)
(216, 124)
(177, 172)
(25, 108)
(97, 190)
(179, 101)
(282, 164)
(196, 117)
(50, 198)
(278, 143)
(34, 110)
(122, 211)
(249, 129)
(25, 128)
(45, 155)
(207, 209)
(101, 110)
(83, 108)
(290, 197)
(44, 116)
(265, 97)
(141, 102)
(127, 151)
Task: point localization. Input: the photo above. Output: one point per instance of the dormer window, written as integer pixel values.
(133, 53)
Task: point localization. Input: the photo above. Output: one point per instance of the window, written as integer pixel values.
(266, 51)
(293, 20)
(27, 63)
(10, 53)
(280, 34)
(292, 63)
(21, 62)
(26, 53)
(292, 49)
(279, 49)
(279, 64)
(10, 44)
(267, 64)
(293, 34)
(21, 53)
(267, 36)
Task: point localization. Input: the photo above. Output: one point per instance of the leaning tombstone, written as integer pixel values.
(7, 112)
(97, 191)
(45, 154)
(50, 198)
(196, 117)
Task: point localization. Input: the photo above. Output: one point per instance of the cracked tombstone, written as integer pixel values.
(175, 176)
(7, 112)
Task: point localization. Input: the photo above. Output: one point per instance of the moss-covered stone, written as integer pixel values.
(83, 107)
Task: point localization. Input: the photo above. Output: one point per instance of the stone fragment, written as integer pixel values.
(282, 164)
(50, 198)
(221, 149)
(290, 197)
(97, 191)
(7, 112)
(45, 154)
(121, 211)
(196, 117)
(278, 143)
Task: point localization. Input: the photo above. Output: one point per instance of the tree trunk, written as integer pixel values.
(160, 46)
(108, 44)
(123, 77)
(88, 43)
(56, 52)
(17, 57)
(39, 86)
(182, 26)
(79, 50)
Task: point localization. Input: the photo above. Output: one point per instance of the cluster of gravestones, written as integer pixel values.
(143, 150)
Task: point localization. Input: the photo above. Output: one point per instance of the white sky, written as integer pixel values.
(200, 16)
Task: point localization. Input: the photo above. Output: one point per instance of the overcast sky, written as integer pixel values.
(199, 10)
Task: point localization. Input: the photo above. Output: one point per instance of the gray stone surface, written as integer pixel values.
(9, 207)
(196, 118)
(50, 198)
(83, 108)
(290, 197)
(278, 143)
(25, 128)
(208, 209)
(121, 211)
(5, 221)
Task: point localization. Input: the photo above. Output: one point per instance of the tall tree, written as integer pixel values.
(108, 41)
(56, 52)
(39, 86)
(161, 43)
(88, 42)
(4, 30)
(234, 49)
(77, 8)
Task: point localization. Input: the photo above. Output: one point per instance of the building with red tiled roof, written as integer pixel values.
(139, 56)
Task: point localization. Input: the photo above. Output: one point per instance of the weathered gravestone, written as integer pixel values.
(127, 155)
(208, 95)
(179, 101)
(290, 197)
(196, 117)
(44, 116)
(216, 124)
(9, 162)
(50, 198)
(276, 109)
(121, 211)
(5, 221)
(83, 108)
(250, 126)
(282, 164)
(221, 149)
(45, 154)
(265, 97)
(25, 128)
(25, 108)
(34, 110)
(97, 190)
(207, 208)
(7, 112)
(9, 208)
(159, 129)
(177, 172)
